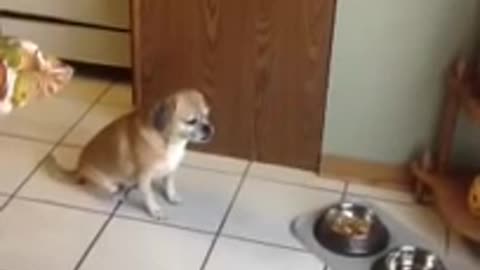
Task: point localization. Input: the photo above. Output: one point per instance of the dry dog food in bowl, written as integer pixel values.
(351, 226)
(351, 229)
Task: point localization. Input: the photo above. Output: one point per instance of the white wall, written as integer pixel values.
(387, 70)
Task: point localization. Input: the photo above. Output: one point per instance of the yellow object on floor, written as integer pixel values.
(474, 197)
(26, 73)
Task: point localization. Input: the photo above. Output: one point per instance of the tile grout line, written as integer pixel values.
(97, 236)
(107, 213)
(165, 224)
(190, 166)
(54, 146)
(264, 243)
(63, 205)
(2, 204)
(225, 217)
(25, 138)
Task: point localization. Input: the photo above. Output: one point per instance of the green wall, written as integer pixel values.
(387, 71)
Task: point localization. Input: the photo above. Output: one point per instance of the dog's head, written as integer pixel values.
(184, 115)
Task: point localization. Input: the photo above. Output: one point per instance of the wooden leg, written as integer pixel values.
(447, 130)
(445, 142)
(421, 193)
(420, 189)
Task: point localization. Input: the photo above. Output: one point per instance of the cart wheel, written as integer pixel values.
(420, 192)
(420, 189)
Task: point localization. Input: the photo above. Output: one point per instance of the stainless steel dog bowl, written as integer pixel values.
(409, 258)
(351, 229)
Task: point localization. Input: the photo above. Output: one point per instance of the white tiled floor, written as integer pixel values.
(50, 184)
(240, 255)
(3, 198)
(120, 94)
(86, 89)
(217, 163)
(116, 101)
(422, 220)
(18, 158)
(461, 255)
(264, 210)
(206, 196)
(225, 222)
(38, 236)
(50, 119)
(128, 245)
(98, 117)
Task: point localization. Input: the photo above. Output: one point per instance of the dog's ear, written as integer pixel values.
(163, 113)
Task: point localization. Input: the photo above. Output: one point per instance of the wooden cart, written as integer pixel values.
(449, 187)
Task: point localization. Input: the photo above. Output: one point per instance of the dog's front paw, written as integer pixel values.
(174, 199)
(157, 212)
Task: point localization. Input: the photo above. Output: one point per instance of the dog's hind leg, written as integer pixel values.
(98, 179)
(57, 171)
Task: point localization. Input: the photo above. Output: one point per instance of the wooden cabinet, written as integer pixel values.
(92, 31)
(263, 64)
(109, 13)
(78, 43)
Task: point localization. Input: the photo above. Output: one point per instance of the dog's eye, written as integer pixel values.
(192, 121)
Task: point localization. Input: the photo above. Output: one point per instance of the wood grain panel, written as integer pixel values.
(262, 63)
(226, 59)
(184, 43)
(110, 13)
(293, 48)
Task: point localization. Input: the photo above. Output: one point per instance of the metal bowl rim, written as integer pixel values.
(396, 254)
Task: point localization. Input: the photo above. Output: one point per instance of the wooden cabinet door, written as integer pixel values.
(262, 63)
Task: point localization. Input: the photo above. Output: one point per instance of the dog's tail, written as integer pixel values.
(58, 172)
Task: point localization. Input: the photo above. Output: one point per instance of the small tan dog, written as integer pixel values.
(146, 145)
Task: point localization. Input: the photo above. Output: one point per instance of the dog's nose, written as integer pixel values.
(207, 130)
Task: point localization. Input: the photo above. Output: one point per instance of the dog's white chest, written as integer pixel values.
(174, 155)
